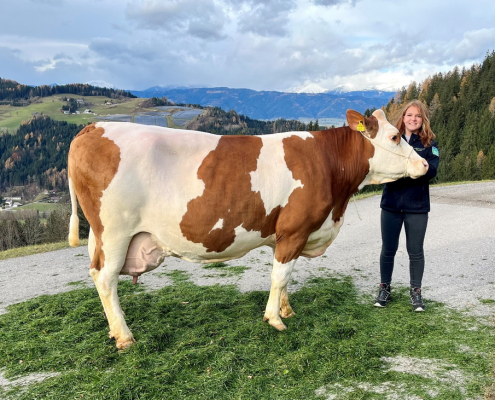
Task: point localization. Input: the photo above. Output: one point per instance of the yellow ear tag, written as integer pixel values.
(361, 127)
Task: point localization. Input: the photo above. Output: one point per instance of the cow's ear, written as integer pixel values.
(355, 120)
(371, 125)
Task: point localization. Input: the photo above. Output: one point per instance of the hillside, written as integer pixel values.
(273, 105)
(11, 117)
(15, 93)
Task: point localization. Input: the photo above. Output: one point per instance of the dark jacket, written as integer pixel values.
(412, 195)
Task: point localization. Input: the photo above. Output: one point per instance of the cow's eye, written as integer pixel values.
(394, 138)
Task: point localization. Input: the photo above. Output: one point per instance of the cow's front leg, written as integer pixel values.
(286, 310)
(280, 277)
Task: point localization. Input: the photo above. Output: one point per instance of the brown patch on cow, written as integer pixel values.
(93, 162)
(225, 172)
(330, 166)
(370, 123)
(372, 126)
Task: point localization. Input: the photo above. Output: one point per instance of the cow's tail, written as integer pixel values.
(74, 219)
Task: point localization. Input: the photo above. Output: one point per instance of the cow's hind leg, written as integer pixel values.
(106, 279)
(286, 310)
(280, 277)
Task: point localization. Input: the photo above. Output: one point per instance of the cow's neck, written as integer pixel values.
(347, 155)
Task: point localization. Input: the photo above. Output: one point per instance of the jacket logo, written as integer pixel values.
(418, 149)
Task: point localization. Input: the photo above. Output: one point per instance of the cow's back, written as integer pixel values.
(202, 196)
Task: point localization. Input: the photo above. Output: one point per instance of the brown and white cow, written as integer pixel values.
(150, 192)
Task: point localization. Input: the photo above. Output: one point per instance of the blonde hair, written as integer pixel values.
(425, 133)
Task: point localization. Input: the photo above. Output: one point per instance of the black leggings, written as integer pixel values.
(415, 226)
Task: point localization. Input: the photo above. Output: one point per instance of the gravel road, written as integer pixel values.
(459, 250)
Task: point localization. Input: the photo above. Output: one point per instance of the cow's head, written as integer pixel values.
(394, 158)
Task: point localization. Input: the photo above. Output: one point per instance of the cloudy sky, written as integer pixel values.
(256, 44)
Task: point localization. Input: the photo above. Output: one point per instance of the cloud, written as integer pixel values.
(331, 3)
(474, 44)
(54, 3)
(265, 17)
(202, 19)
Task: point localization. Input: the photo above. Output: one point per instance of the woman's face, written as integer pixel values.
(412, 120)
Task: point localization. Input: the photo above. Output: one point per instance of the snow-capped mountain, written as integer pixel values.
(311, 88)
(101, 84)
(160, 88)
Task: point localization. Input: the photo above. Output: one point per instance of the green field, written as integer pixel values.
(37, 249)
(209, 342)
(12, 117)
(42, 206)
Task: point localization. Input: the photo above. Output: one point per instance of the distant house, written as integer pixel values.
(11, 202)
(66, 112)
(80, 101)
(78, 112)
(87, 111)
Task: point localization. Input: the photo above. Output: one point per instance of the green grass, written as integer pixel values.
(12, 117)
(41, 206)
(36, 249)
(225, 269)
(210, 343)
(216, 265)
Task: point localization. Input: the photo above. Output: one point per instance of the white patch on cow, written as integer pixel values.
(272, 179)
(156, 178)
(319, 240)
(218, 225)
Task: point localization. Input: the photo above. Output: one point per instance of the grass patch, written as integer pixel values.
(225, 269)
(76, 283)
(36, 249)
(42, 206)
(216, 265)
(210, 342)
(487, 301)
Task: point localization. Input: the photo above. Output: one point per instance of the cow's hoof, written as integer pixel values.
(125, 344)
(111, 335)
(287, 314)
(278, 325)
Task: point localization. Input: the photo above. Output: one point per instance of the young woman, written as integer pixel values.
(407, 202)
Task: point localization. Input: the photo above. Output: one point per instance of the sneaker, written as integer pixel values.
(416, 299)
(384, 295)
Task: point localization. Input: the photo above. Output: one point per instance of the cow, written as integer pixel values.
(150, 192)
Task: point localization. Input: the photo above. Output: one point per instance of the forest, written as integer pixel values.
(36, 154)
(462, 115)
(16, 94)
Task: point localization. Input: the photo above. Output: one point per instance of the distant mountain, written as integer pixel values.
(311, 88)
(101, 84)
(271, 104)
(161, 88)
(368, 93)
